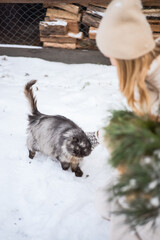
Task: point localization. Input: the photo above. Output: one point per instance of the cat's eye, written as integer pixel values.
(75, 139)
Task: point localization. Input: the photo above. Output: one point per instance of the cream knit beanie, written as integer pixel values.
(124, 32)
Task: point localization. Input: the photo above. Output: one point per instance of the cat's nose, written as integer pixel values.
(77, 152)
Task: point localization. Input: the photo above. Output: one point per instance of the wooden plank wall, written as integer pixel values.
(145, 2)
(58, 1)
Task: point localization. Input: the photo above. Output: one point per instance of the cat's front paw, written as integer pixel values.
(78, 172)
(65, 165)
(31, 154)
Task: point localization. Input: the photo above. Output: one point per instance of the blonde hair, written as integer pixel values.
(132, 74)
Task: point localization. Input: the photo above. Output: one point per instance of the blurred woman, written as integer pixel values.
(125, 36)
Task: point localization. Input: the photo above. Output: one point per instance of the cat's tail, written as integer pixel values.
(31, 98)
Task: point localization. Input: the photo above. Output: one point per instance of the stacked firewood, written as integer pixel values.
(75, 26)
(91, 18)
(61, 25)
(70, 25)
(153, 17)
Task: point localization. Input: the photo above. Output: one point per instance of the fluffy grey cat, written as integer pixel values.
(55, 136)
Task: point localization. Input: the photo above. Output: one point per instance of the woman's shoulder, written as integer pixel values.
(158, 40)
(155, 65)
(153, 85)
(153, 76)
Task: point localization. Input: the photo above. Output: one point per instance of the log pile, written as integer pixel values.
(91, 18)
(153, 17)
(61, 25)
(75, 26)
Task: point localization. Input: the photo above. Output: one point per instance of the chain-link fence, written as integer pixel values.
(19, 24)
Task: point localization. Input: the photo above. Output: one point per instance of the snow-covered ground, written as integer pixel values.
(38, 200)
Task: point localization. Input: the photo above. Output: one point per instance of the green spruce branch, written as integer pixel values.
(135, 144)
